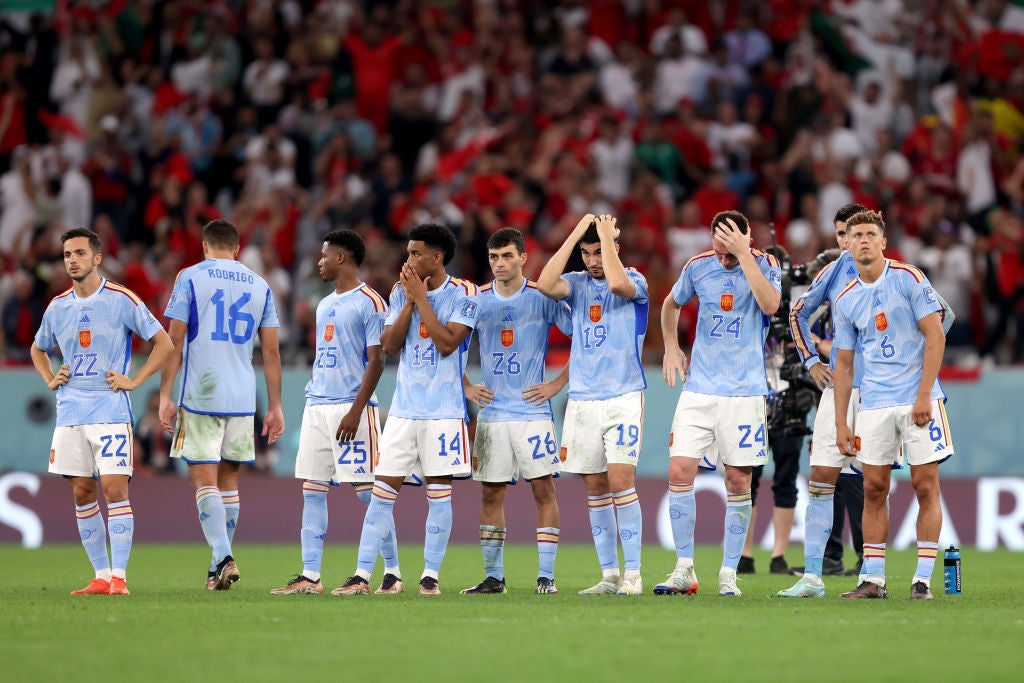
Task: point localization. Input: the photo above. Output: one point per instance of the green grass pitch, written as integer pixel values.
(172, 629)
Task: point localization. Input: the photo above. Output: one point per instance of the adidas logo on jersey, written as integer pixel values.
(729, 283)
(361, 470)
(457, 461)
(555, 460)
(851, 271)
(940, 447)
(508, 318)
(598, 298)
(878, 302)
(84, 320)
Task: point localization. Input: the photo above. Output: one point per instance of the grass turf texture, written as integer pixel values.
(172, 629)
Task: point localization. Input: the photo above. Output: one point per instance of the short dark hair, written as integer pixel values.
(847, 212)
(590, 235)
(867, 217)
(437, 236)
(94, 240)
(349, 241)
(220, 234)
(738, 218)
(505, 237)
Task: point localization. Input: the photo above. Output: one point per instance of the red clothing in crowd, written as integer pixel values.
(375, 67)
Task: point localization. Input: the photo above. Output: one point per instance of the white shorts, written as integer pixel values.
(504, 450)
(88, 450)
(882, 431)
(727, 428)
(824, 450)
(322, 458)
(431, 448)
(596, 434)
(208, 439)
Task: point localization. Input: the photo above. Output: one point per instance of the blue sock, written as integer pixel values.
(605, 530)
(737, 519)
(874, 563)
(213, 520)
(94, 537)
(492, 543)
(682, 508)
(120, 528)
(231, 507)
(631, 524)
(389, 548)
(547, 549)
(314, 526)
(817, 525)
(439, 525)
(379, 519)
(926, 552)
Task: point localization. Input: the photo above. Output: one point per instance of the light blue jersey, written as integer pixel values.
(728, 351)
(826, 288)
(880, 322)
(513, 334)
(224, 305)
(429, 385)
(347, 324)
(607, 336)
(94, 336)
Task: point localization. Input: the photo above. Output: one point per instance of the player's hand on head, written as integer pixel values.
(922, 411)
(273, 425)
(118, 382)
(479, 394)
(674, 365)
(822, 375)
(582, 226)
(168, 414)
(729, 234)
(606, 226)
(61, 378)
(539, 393)
(348, 427)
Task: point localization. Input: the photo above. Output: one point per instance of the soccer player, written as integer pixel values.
(91, 325)
(722, 407)
(891, 317)
(217, 309)
(340, 427)
(515, 433)
(429, 323)
(831, 471)
(604, 416)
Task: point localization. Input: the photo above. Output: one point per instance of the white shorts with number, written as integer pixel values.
(727, 428)
(431, 448)
(882, 431)
(504, 450)
(88, 450)
(208, 439)
(596, 434)
(824, 450)
(322, 458)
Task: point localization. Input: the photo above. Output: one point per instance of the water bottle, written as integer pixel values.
(951, 570)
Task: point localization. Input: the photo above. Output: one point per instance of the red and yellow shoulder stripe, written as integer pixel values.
(772, 261)
(395, 286)
(63, 294)
(702, 255)
(470, 288)
(379, 305)
(114, 287)
(531, 284)
(914, 271)
(850, 285)
(488, 287)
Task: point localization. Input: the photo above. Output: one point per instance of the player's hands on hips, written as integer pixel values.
(168, 414)
(348, 426)
(846, 441)
(821, 373)
(479, 394)
(735, 241)
(273, 424)
(539, 393)
(415, 288)
(61, 378)
(922, 410)
(118, 382)
(674, 363)
(581, 227)
(606, 226)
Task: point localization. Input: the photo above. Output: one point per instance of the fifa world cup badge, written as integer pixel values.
(726, 301)
(329, 332)
(508, 337)
(595, 312)
(881, 323)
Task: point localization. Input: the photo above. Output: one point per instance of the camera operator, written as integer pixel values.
(792, 395)
(827, 462)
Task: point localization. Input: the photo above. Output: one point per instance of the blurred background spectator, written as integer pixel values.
(144, 120)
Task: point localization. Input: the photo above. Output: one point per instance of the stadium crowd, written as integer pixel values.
(144, 120)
